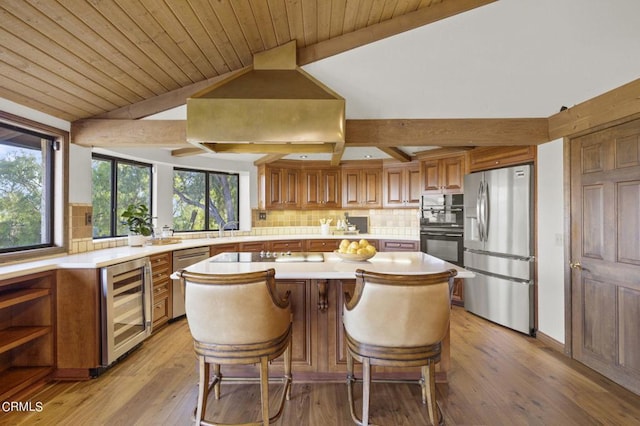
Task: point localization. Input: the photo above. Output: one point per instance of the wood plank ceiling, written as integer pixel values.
(126, 59)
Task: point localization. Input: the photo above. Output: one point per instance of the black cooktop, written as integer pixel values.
(266, 256)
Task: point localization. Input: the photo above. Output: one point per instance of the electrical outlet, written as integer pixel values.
(262, 216)
(88, 218)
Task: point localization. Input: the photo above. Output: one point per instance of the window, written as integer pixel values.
(116, 184)
(203, 200)
(26, 189)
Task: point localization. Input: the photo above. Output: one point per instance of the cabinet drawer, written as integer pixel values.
(323, 245)
(286, 245)
(160, 312)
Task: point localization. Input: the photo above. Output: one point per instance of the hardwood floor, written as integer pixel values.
(498, 377)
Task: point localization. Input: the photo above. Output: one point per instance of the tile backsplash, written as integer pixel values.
(399, 222)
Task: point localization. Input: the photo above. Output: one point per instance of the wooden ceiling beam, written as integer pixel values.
(396, 153)
(187, 152)
(609, 107)
(130, 133)
(359, 133)
(384, 29)
(269, 158)
(447, 132)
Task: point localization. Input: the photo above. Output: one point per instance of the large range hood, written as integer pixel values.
(273, 107)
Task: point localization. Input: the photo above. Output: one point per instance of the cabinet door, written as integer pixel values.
(312, 189)
(393, 187)
(452, 170)
(371, 188)
(330, 180)
(290, 188)
(273, 188)
(351, 187)
(302, 337)
(413, 189)
(431, 176)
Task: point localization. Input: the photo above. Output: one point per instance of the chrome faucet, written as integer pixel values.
(225, 225)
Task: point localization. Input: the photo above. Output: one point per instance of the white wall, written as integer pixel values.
(550, 240)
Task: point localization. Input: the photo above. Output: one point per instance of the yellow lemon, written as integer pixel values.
(363, 243)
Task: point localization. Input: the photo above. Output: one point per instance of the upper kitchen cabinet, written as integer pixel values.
(321, 188)
(361, 185)
(444, 175)
(401, 185)
(278, 187)
(491, 157)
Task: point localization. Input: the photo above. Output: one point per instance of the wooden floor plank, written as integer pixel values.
(498, 377)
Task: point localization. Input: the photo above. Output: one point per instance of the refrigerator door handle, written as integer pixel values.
(478, 210)
(485, 211)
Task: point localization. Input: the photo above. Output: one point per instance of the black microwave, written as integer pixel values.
(442, 211)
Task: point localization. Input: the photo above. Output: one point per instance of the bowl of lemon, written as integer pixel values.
(355, 251)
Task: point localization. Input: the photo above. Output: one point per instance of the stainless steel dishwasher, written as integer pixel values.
(182, 259)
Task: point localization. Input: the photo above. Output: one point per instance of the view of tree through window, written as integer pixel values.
(116, 184)
(26, 186)
(203, 200)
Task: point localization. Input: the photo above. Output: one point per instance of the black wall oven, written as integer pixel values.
(442, 227)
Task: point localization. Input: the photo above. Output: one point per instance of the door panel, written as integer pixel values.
(509, 215)
(605, 252)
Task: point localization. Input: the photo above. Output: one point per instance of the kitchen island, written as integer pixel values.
(317, 295)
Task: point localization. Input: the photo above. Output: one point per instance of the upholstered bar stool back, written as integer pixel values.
(237, 319)
(397, 321)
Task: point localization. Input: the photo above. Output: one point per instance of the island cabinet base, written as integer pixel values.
(318, 343)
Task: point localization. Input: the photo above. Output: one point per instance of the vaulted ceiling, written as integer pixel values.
(104, 64)
(77, 59)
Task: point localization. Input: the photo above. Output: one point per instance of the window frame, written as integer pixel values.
(58, 190)
(207, 189)
(114, 160)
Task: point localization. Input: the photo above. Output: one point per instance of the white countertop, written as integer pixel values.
(106, 257)
(335, 268)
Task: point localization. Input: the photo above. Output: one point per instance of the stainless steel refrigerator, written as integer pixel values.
(498, 246)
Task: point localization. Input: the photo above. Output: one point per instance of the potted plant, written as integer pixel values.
(138, 220)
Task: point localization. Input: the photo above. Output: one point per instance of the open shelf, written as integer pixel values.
(27, 330)
(16, 297)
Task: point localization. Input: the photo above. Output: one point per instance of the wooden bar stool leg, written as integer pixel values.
(203, 389)
(350, 380)
(366, 389)
(264, 389)
(430, 370)
(217, 378)
(287, 370)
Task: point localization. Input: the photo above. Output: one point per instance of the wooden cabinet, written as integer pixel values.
(287, 245)
(491, 157)
(254, 246)
(279, 187)
(222, 248)
(162, 288)
(443, 175)
(457, 298)
(361, 187)
(401, 185)
(323, 245)
(26, 332)
(399, 245)
(321, 188)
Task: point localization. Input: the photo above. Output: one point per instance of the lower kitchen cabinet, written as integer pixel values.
(27, 331)
(323, 245)
(457, 298)
(162, 288)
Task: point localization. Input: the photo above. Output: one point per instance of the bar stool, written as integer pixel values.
(238, 319)
(397, 321)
